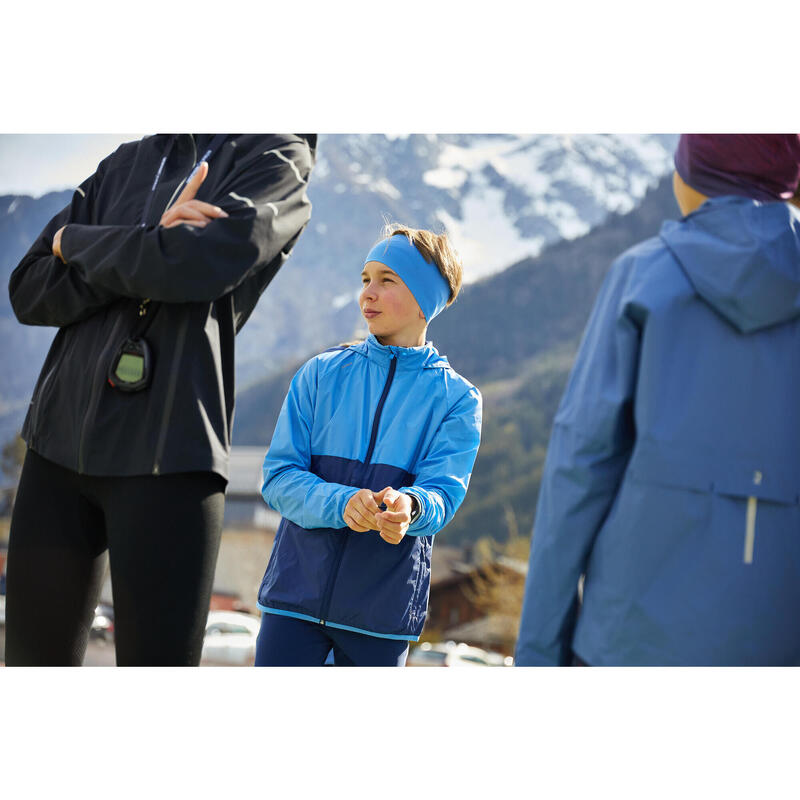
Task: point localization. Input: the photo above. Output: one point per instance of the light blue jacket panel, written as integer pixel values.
(672, 479)
(429, 426)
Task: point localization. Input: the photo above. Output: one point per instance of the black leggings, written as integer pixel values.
(162, 535)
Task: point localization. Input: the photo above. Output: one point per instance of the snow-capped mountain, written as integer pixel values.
(500, 197)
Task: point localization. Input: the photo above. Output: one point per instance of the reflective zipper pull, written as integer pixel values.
(750, 524)
(750, 530)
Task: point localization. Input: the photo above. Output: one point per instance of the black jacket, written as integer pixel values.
(203, 284)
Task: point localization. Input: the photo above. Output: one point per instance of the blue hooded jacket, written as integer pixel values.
(365, 416)
(672, 479)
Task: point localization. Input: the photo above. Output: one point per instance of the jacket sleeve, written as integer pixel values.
(590, 445)
(288, 486)
(45, 291)
(267, 206)
(443, 475)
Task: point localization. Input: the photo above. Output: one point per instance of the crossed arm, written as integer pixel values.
(186, 210)
(197, 253)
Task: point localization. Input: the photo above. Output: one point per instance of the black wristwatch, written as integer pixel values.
(416, 509)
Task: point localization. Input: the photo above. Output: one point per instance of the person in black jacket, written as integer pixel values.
(148, 274)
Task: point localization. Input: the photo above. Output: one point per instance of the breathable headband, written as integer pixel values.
(424, 281)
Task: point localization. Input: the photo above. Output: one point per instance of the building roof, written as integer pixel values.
(446, 561)
(452, 565)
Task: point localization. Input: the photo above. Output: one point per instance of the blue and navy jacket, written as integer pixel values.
(365, 416)
(672, 480)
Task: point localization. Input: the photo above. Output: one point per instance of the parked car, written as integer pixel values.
(230, 639)
(447, 654)
(103, 623)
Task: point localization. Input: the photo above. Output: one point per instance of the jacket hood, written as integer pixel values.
(422, 357)
(743, 258)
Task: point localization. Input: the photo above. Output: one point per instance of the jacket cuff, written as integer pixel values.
(343, 501)
(65, 244)
(414, 529)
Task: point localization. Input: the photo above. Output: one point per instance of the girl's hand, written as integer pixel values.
(393, 523)
(360, 511)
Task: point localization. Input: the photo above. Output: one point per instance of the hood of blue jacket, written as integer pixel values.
(408, 358)
(743, 259)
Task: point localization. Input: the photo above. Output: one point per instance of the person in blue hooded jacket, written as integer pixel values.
(671, 487)
(371, 456)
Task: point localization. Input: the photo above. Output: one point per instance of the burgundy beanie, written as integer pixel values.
(762, 166)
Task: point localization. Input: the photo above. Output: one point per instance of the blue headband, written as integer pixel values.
(424, 281)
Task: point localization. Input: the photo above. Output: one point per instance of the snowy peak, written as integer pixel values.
(500, 197)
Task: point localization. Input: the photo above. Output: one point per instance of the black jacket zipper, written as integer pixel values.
(373, 438)
(173, 384)
(176, 357)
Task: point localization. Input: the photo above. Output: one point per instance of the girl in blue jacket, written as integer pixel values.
(371, 456)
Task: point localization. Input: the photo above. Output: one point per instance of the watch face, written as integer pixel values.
(130, 367)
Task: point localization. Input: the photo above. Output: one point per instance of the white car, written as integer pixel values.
(230, 639)
(447, 654)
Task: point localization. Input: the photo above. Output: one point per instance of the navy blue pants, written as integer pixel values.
(290, 642)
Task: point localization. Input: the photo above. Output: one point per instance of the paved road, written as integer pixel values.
(100, 654)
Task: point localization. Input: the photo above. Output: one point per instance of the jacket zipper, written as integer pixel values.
(176, 359)
(373, 437)
(379, 410)
(97, 384)
(173, 383)
(183, 182)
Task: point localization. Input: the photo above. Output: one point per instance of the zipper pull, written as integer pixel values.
(143, 307)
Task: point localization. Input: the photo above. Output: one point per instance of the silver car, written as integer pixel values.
(230, 639)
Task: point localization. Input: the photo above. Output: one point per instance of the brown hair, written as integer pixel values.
(436, 249)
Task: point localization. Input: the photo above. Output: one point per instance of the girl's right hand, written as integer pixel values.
(361, 508)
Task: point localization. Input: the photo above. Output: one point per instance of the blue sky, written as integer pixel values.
(35, 164)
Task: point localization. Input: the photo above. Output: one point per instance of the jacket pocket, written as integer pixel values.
(738, 490)
(299, 565)
(763, 478)
(46, 384)
(419, 604)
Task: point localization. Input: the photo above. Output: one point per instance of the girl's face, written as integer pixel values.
(392, 314)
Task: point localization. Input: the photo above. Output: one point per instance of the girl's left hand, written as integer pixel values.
(393, 523)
